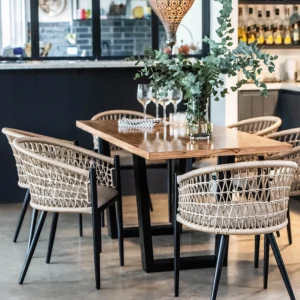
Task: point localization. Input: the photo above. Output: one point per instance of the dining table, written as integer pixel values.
(170, 143)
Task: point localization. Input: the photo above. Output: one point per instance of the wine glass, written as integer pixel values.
(155, 100)
(164, 99)
(144, 96)
(176, 98)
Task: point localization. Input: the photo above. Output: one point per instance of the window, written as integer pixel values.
(14, 29)
(92, 29)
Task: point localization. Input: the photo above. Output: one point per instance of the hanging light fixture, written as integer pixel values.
(171, 13)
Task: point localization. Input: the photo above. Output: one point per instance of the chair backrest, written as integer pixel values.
(260, 126)
(240, 198)
(58, 173)
(291, 136)
(116, 115)
(293, 155)
(12, 134)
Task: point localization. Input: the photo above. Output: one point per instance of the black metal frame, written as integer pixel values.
(96, 34)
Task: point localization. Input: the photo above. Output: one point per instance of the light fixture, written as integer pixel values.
(171, 13)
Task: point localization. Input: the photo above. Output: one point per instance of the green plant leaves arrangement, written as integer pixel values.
(201, 78)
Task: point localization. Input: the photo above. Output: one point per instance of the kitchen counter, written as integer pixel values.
(65, 64)
(288, 86)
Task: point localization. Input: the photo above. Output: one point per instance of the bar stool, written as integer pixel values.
(12, 134)
(211, 200)
(63, 178)
(261, 126)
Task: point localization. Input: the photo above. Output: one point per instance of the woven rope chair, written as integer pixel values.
(210, 200)
(126, 159)
(293, 155)
(261, 126)
(64, 178)
(291, 136)
(12, 134)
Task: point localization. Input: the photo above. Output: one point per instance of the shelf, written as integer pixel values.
(266, 2)
(279, 46)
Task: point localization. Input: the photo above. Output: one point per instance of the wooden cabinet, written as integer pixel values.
(251, 104)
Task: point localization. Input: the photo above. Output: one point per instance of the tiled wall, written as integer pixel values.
(119, 37)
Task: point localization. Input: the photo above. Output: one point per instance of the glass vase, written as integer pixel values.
(198, 125)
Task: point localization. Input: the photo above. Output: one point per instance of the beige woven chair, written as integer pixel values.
(64, 178)
(291, 136)
(211, 200)
(293, 155)
(12, 134)
(261, 126)
(126, 159)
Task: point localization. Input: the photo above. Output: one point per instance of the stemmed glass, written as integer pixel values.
(176, 98)
(164, 99)
(155, 100)
(144, 96)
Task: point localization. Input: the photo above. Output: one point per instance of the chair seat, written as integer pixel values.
(126, 159)
(205, 162)
(105, 194)
(239, 218)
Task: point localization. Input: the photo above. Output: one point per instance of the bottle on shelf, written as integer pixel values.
(260, 28)
(295, 15)
(287, 28)
(242, 27)
(296, 34)
(269, 29)
(278, 28)
(251, 27)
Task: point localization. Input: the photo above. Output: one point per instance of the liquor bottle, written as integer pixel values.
(296, 34)
(242, 27)
(287, 28)
(278, 28)
(295, 16)
(260, 29)
(269, 29)
(251, 27)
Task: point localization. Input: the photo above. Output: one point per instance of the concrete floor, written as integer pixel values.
(70, 276)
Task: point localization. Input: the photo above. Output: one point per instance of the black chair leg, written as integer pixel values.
(256, 251)
(176, 257)
(22, 215)
(120, 229)
(96, 243)
(280, 264)
(52, 236)
(33, 246)
(277, 233)
(32, 227)
(80, 225)
(100, 231)
(102, 219)
(219, 265)
(266, 261)
(289, 230)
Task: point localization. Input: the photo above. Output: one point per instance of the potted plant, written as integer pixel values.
(201, 78)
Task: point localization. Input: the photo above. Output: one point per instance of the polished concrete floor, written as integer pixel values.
(70, 276)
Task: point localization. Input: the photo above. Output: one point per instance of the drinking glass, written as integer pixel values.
(164, 99)
(144, 96)
(155, 100)
(176, 98)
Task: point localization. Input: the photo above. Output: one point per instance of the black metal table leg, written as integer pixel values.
(170, 189)
(142, 198)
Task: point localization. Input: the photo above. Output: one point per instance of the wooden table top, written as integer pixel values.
(168, 142)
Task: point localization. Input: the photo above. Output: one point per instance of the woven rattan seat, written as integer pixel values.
(69, 179)
(248, 198)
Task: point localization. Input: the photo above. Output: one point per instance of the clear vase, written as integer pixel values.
(198, 125)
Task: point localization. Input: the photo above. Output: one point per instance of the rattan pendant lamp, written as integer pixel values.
(171, 13)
